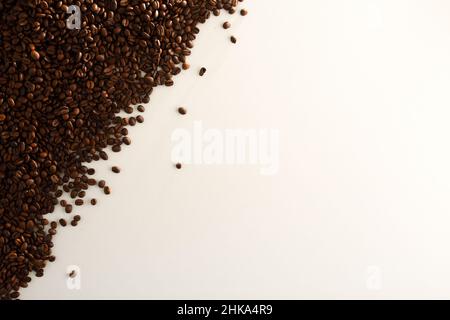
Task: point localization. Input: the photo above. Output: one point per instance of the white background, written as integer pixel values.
(360, 93)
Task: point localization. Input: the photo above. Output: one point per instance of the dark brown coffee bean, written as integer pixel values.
(244, 12)
(115, 169)
(140, 119)
(226, 25)
(182, 111)
(93, 202)
(178, 166)
(233, 39)
(202, 71)
(77, 218)
(107, 190)
(73, 223)
(102, 183)
(35, 55)
(72, 274)
(63, 222)
(140, 108)
(68, 208)
(79, 202)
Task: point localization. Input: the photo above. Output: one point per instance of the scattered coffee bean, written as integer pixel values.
(178, 166)
(202, 71)
(93, 202)
(182, 111)
(72, 274)
(63, 222)
(115, 169)
(244, 12)
(226, 25)
(140, 108)
(233, 39)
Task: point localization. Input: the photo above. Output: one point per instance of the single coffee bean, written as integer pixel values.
(244, 12)
(178, 166)
(182, 110)
(63, 222)
(77, 218)
(202, 71)
(68, 208)
(79, 202)
(233, 39)
(35, 55)
(115, 169)
(140, 108)
(226, 25)
(93, 202)
(102, 183)
(107, 190)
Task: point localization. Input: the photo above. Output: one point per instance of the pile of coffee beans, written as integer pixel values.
(62, 95)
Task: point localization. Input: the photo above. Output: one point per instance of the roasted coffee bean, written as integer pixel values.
(63, 222)
(244, 12)
(77, 218)
(68, 208)
(140, 119)
(226, 25)
(72, 274)
(93, 202)
(182, 111)
(115, 169)
(140, 108)
(107, 190)
(178, 166)
(233, 39)
(202, 71)
(79, 202)
(102, 183)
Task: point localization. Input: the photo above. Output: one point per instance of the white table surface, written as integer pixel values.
(359, 91)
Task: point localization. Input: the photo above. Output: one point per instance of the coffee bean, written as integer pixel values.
(77, 218)
(244, 12)
(140, 108)
(68, 208)
(35, 55)
(93, 202)
(178, 166)
(63, 222)
(233, 39)
(140, 119)
(202, 71)
(182, 111)
(107, 190)
(72, 274)
(226, 25)
(115, 169)
(102, 183)
(79, 202)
